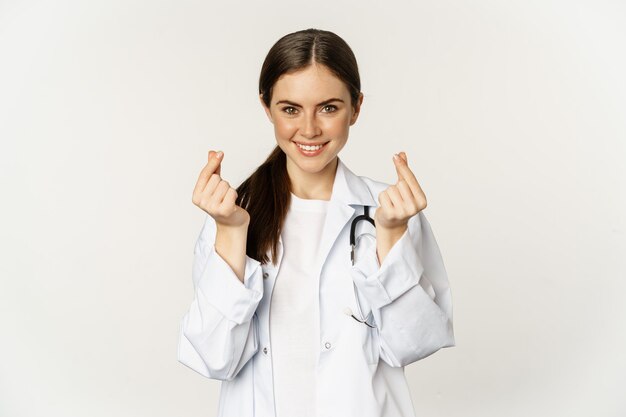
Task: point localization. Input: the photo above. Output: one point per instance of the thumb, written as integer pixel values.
(218, 156)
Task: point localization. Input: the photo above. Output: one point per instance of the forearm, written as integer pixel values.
(385, 239)
(230, 244)
(409, 295)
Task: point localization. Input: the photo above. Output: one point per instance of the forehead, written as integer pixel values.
(310, 85)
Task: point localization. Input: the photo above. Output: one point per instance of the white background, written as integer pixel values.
(513, 117)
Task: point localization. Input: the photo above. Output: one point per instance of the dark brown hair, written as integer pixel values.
(266, 193)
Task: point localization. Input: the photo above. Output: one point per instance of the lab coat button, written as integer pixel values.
(265, 350)
(327, 345)
(265, 274)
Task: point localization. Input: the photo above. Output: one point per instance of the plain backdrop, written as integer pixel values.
(512, 114)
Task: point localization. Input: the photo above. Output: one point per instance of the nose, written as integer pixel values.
(310, 127)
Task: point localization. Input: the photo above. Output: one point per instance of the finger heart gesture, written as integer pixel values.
(399, 202)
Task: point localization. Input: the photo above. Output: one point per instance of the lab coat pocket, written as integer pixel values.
(366, 265)
(367, 337)
(372, 344)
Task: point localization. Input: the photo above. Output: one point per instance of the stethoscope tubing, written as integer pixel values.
(365, 216)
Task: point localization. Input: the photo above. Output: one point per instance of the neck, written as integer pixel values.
(313, 186)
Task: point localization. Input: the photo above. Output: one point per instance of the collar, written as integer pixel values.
(350, 189)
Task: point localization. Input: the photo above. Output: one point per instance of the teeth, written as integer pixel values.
(309, 148)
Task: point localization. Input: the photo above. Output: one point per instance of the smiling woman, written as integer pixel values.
(312, 115)
(275, 286)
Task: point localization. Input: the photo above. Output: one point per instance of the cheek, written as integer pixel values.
(285, 128)
(338, 126)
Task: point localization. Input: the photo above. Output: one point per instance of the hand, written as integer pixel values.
(215, 196)
(399, 202)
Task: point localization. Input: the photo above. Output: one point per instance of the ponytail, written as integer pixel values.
(266, 195)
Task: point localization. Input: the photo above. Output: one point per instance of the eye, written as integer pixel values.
(330, 106)
(289, 110)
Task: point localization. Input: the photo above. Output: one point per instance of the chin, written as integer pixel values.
(313, 166)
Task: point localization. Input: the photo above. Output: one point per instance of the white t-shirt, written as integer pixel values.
(294, 310)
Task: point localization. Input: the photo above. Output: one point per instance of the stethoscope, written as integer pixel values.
(357, 219)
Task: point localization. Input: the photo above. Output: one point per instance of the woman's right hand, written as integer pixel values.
(216, 197)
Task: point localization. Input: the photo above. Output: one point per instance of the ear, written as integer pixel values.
(357, 109)
(267, 111)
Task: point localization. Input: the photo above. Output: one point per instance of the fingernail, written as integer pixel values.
(219, 154)
(396, 157)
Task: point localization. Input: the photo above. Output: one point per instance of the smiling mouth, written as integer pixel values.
(310, 147)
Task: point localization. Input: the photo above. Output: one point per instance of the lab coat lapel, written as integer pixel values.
(349, 191)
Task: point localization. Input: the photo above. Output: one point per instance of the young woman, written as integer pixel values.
(293, 320)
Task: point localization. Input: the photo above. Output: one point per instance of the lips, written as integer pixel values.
(311, 153)
(311, 144)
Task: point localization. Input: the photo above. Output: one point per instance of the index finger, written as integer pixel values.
(212, 167)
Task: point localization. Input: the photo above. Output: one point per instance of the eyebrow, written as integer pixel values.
(330, 100)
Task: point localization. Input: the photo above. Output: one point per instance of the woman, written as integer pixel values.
(291, 322)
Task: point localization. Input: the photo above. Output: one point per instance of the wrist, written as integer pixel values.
(227, 228)
(386, 238)
(393, 233)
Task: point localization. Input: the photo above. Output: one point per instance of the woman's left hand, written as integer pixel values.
(399, 202)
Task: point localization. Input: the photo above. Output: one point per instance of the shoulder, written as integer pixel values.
(375, 187)
(359, 185)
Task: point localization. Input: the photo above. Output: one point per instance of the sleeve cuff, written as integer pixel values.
(400, 271)
(221, 287)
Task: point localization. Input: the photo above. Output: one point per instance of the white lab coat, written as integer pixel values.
(360, 370)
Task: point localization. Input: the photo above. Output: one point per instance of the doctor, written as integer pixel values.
(280, 313)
